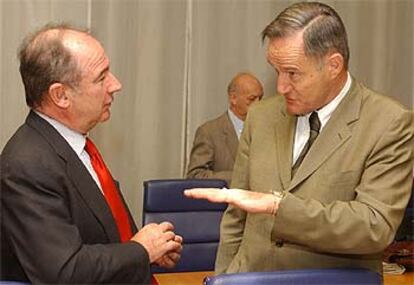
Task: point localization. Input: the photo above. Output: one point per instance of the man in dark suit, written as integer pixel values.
(63, 220)
(326, 165)
(216, 141)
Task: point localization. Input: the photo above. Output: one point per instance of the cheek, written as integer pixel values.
(307, 88)
(246, 104)
(101, 95)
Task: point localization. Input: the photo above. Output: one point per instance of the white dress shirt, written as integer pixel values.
(237, 123)
(76, 141)
(324, 114)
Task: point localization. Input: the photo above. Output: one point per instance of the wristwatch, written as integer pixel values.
(278, 196)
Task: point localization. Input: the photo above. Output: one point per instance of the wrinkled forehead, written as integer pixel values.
(285, 47)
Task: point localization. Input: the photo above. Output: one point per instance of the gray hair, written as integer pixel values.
(324, 30)
(44, 60)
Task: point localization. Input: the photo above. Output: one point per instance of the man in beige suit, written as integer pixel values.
(216, 141)
(340, 205)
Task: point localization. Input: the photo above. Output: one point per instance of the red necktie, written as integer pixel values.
(111, 193)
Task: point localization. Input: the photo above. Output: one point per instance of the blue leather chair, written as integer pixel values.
(303, 277)
(197, 221)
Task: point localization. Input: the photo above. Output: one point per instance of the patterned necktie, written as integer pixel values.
(111, 193)
(315, 126)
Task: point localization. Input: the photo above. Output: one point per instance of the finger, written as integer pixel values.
(166, 226)
(203, 189)
(172, 246)
(178, 239)
(201, 193)
(211, 194)
(166, 262)
(179, 250)
(174, 257)
(169, 236)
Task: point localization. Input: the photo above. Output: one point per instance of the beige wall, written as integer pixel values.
(175, 58)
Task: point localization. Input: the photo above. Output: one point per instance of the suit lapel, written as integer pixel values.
(230, 135)
(79, 175)
(336, 132)
(92, 196)
(284, 136)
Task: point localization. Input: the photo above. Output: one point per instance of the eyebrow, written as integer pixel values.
(105, 70)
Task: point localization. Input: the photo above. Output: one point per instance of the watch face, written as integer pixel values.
(279, 194)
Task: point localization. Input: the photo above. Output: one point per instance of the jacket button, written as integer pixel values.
(279, 243)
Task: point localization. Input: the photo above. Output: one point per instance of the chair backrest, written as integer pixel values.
(306, 276)
(197, 221)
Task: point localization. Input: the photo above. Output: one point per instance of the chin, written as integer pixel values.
(296, 110)
(105, 116)
(293, 111)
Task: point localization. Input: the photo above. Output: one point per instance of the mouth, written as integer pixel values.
(289, 101)
(106, 107)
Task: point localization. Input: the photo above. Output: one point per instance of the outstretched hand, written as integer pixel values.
(252, 202)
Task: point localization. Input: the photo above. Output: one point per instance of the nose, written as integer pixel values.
(283, 84)
(257, 98)
(253, 100)
(114, 84)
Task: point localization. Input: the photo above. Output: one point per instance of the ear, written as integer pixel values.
(232, 98)
(59, 96)
(335, 64)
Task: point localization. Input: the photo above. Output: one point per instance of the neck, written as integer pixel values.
(62, 117)
(336, 87)
(234, 111)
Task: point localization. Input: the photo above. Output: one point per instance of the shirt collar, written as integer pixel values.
(326, 111)
(76, 140)
(237, 123)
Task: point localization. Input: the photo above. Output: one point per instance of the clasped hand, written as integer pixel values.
(162, 244)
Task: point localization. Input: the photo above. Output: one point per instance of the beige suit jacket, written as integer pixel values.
(347, 199)
(214, 150)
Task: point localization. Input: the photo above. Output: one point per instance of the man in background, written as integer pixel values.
(216, 141)
(63, 219)
(326, 166)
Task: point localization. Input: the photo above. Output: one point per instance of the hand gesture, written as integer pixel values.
(252, 202)
(159, 240)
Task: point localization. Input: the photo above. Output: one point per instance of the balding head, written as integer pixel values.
(46, 57)
(243, 90)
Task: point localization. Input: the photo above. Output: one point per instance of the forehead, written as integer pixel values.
(248, 85)
(251, 85)
(288, 49)
(88, 51)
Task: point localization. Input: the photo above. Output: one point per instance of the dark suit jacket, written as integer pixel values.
(56, 225)
(214, 150)
(346, 200)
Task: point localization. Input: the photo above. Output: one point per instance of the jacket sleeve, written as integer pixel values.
(201, 163)
(37, 220)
